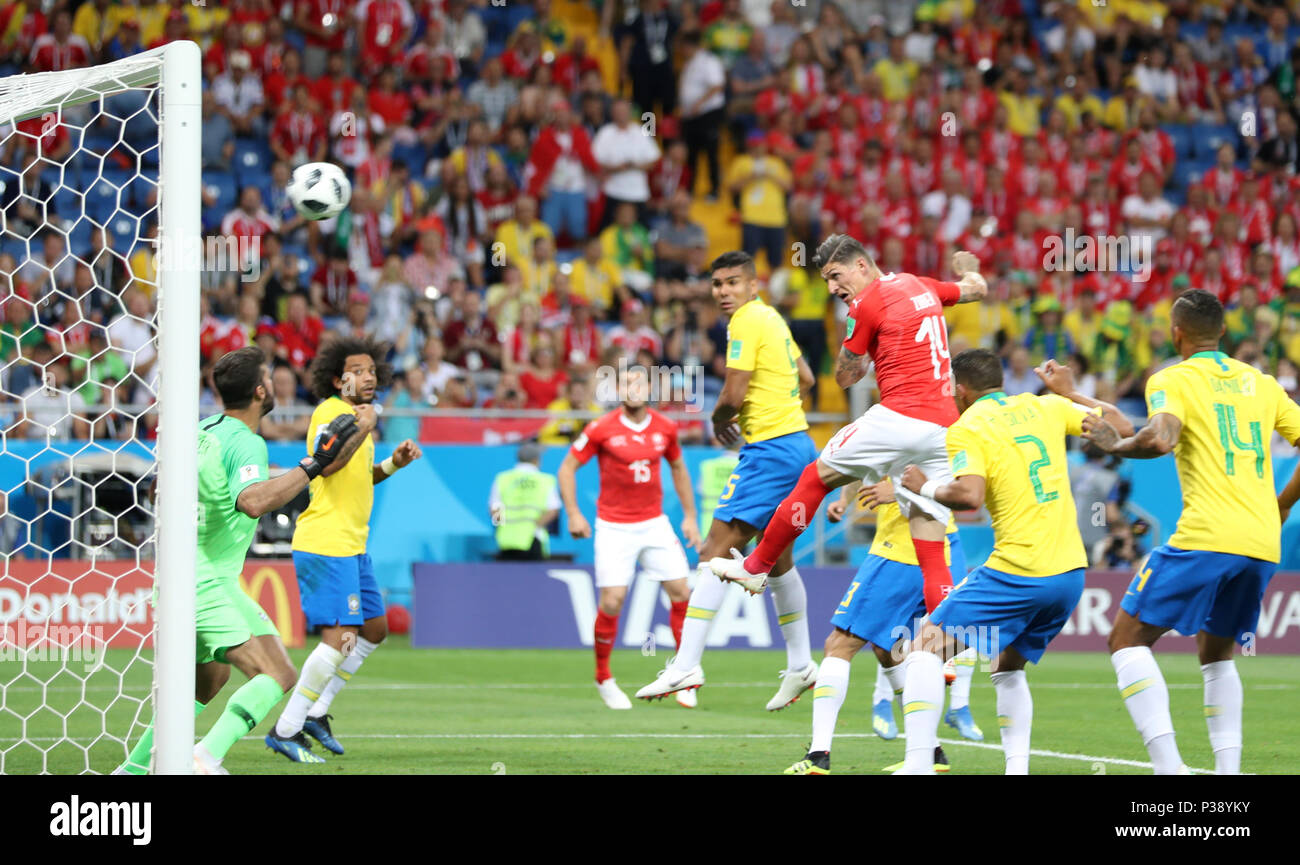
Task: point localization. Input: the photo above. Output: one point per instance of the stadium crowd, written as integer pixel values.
(537, 189)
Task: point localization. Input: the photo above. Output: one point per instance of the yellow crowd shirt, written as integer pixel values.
(1017, 444)
(1228, 410)
(762, 201)
(337, 522)
(759, 342)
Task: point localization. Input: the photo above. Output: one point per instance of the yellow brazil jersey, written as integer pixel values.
(337, 522)
(811, 294)
(759, 342)
(595, 282)
(893, 538)
(1228, 410)
(762, 200)
(1017, 444)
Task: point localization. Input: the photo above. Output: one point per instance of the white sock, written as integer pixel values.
(317, 671)
(922, 703)
(828, 696)
(1223, 715)
(1015, 717)
(342, 676)
(895, 677)
(791, 604)
(706, 597)
(884, 690)
(959, 691)
(1146, 696)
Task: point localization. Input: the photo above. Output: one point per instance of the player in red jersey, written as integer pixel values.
(631, 528)
(897, 320)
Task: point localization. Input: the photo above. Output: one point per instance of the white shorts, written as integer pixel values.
(652, 544)
(882, 443)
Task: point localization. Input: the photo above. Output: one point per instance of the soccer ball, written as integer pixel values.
(319, 190)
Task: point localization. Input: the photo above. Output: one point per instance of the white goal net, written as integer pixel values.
(98, 398)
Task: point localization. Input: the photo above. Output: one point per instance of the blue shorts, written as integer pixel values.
(764, 476)
(886, 599)
(337, 590)
(991, 610)
(1196, 590)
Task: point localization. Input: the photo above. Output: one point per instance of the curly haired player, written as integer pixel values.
(336, 579)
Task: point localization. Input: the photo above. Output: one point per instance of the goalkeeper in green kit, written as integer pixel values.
(234, 491)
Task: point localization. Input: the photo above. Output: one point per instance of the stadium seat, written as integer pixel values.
(1210, 137)
(252, 158)
(224, 185)
(1182, 138)
(1187, 173)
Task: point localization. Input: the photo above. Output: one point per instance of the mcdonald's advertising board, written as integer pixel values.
(70, 602)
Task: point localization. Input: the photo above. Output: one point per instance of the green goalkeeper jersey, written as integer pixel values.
(231, 458)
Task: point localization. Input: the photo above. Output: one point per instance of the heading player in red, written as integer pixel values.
(631, 528)
(895, 319)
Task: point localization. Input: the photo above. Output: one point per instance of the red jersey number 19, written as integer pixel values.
(933, 329)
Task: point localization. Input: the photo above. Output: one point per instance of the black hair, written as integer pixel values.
(978, 369)
(329, 362)
(1199, 314)
(237, 376)
(735, 258)
(840, 249)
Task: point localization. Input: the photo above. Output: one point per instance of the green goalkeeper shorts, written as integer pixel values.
(225, 617)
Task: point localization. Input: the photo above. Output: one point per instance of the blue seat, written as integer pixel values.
(1181, 136)
(79, 237)
(1177, 195)
(225, 186)
(126, 229)
(251, 157)
(1210, 137)
(1187, 173)
(101, 200)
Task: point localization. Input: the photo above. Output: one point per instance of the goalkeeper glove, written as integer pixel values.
(329, 445)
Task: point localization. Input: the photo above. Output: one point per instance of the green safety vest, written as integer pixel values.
(524, 494)
(715, 475)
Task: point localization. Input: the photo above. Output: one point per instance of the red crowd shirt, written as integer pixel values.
(898, 321)
(628, 456)
(49, 55)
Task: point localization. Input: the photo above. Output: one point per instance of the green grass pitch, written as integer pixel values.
(536, 711)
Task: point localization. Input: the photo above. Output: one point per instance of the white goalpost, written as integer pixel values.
(98, 155)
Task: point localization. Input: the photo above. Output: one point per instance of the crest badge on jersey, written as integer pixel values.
(354, 603)
(249, 473)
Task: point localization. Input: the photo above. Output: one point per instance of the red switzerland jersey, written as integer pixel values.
(898, 321)
(630, 491)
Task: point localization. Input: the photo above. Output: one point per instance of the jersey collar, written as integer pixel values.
(1213, 355)
(634, 427)
(996, 395)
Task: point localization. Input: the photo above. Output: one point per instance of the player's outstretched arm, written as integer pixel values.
(686, 495)
(972, 284)
(567, 479)
(264, 497)
(1290, 494)
(1156, 439)
(730, 400)
(403, 455)
(849, 368)
(1059, 379)
(366, 421)
(965, 493)
(806, 377)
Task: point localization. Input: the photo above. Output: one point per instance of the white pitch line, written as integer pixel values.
(1058, 755)
(548, 686)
